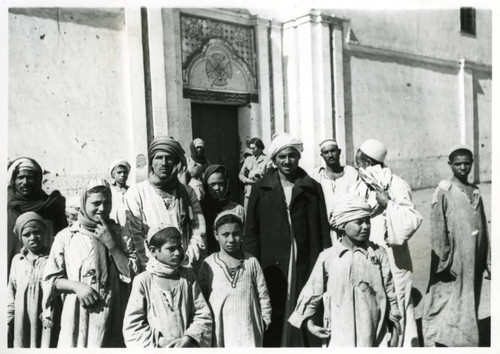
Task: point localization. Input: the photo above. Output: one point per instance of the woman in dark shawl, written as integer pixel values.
(24, 193)
(216, 186)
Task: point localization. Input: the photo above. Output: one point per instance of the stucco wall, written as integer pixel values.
(482, 111)
(69, 92)
(412, 108)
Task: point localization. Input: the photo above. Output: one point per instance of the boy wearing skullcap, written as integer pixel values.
(119, 171)
(24, 292)
(354, 281)
(460, 255)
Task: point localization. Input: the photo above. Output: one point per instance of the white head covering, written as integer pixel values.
(119, 162)
(198, 142)
(327, 142)
(460, 147)
(73, 205)
(374, 149)
(224, 213)
(282, 141)
(349, 207)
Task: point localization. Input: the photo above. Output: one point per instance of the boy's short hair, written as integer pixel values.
(460, 152)
(257, 142)
(227, 219)
(163, 236)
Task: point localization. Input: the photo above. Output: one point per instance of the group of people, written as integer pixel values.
(307, 260)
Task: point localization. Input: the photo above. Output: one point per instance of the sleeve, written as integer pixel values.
(133, 264)
(11, 293)
(55, 268)
(265, 301)
(200, 327)
(197, 247)
(311, 296)
(251, 239)
(402, 217)
(137, 332)
(388, 282)
(441, 242)
(326, 239)
(244, 171)
(134, 232)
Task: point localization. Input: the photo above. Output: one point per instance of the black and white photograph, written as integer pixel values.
(249, 175)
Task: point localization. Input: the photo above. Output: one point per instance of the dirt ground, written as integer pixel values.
(421, 253)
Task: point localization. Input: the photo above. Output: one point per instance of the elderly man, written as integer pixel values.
(394, 220)
(287, 228)
(253, 167)
(162, 200)
(335, 179)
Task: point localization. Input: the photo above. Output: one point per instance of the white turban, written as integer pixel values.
(460, 147)
(119, 162)
(374, 149)
(198, 142)
(327, 142)
(349, 207)
(282, 141)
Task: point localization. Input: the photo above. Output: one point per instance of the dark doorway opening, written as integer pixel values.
(217, 125)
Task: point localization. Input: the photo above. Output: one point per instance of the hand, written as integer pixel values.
(488, 272)
(320, 332)
(382, 196)
(103, 234)
(87, 295)
(183, 342)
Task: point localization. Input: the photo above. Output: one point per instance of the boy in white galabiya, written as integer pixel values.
(354, 280)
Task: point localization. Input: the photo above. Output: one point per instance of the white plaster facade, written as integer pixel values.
(102, 82)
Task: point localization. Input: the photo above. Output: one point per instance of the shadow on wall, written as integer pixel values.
(110, 18)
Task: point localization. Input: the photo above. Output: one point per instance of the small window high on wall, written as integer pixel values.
(468, 20)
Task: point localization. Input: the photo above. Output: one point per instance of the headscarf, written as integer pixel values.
(195, 155)
(26, 218)
(116, 163)
(349, 207)
(211, 207)
(374, 149)
(83, 217)
(25, 164)
(282, 141)
(169, 145)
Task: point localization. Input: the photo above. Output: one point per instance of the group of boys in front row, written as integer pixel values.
(98, 284)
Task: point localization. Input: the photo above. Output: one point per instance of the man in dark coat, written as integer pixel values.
(287, 228)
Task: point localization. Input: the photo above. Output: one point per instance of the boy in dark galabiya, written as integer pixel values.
(234, 285)
(460, 255)
(166, 307)
(354, 280)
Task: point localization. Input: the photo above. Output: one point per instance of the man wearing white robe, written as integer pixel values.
(394, 220)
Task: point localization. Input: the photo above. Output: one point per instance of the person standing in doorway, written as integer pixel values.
(254, 167)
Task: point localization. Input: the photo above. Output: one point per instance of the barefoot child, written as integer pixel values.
(234, 285)
(24, 292)
(166, 307)
(88, 264)
(354, 281)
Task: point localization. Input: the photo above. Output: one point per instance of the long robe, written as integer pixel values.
(358, 294)
(24, 300)
(459, 257)
(392, 228)
(145, 209)
(153, 313)
(75, 257)
(240, 304)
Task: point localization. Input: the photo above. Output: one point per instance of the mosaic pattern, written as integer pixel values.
(195, 32)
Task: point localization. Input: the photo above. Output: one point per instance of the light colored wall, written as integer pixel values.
(69, 92)
(411, 109)
(432, 33)
(482, 84)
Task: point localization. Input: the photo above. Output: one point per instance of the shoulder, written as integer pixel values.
(137, 188)
(235, 207)
(16, 259)
(187, 274)
(444, 185)
(350, 171)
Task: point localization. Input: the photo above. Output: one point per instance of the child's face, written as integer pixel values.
(461, 166)
(170, 253)
(358, 230)
(98, 204)
(33, 236)
(229, 237)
